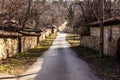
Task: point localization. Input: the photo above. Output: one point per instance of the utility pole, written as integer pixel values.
(101, 38)
(101, 30)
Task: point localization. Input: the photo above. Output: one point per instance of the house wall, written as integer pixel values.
(109, 45)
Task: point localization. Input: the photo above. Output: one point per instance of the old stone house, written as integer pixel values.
(111, 36)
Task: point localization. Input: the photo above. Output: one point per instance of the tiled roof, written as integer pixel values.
(9, 34)
(29, 33)
(11, 31)
(109, 21)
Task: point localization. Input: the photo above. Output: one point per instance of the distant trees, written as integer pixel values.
(89, 11)
(31, 12)
(93, 10)
(70, 15)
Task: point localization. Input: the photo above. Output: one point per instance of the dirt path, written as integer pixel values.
(59, 63)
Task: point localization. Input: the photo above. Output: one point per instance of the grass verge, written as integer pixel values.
(107, 68)
(21, 61)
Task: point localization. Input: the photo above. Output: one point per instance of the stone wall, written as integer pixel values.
(28, 42)
(90, 42)
(54, 30)
(42, 36)
(48, 32)
(9, 46)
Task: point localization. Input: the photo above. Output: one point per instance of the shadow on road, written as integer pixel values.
(13, 77)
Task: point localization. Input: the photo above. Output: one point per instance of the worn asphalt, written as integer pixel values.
(59, 62)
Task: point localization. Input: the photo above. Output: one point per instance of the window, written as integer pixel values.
(109, 33)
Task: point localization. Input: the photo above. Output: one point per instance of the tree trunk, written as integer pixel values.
(27, 14)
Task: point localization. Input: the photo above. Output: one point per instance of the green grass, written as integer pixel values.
(21, 61)
(107, 67)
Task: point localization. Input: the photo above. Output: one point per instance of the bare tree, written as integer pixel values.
(94, 10)
(32, 13)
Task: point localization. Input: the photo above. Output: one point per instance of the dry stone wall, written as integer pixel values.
(90, 42)
(10, 46)
(42, 36)
(48, 32)
(28, 42)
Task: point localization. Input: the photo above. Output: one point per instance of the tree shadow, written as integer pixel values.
(13, 77)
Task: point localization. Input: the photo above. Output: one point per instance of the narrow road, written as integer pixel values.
(59, 63)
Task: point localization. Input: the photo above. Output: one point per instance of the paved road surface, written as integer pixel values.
(59, 63)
